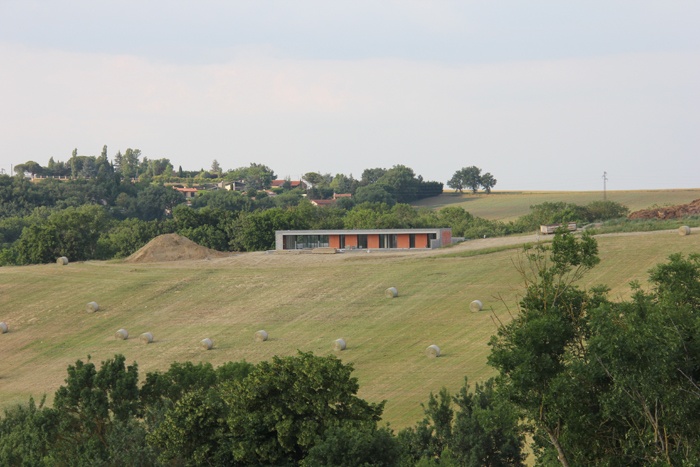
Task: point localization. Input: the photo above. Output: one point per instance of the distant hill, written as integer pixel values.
(509, 205)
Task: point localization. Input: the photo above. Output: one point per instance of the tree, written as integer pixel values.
(89, 168)
(127, 164)
(343, 184)
(27, 433)
(604, 383)
(255, 176)
(375, 193)
(350, 446)
(194, 431)
(155, 201)
(88, 405)
(538, 354)
(487, 182)
(482, 431)
(456, 182)
(402, 181)
(72, 232)
(645, 358)
(317, 180)
(185, 407)
(370, 176)
(471, 177)
(216, 168)
(283, 407)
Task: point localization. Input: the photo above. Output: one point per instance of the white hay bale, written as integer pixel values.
(146, 337)
(62, 260)
(207, 344)
(92, 307)
(433, 351)
(339, 344)
(261, 336)
(121, 335)
(3, 327)
(391, 292)
(476, 305)
(684, 230)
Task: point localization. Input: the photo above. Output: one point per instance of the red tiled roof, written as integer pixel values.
(293, 183)
(322, 202)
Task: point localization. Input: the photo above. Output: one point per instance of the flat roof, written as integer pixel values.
(362, 231)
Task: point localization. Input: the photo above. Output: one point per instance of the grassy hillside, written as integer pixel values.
(507, 206)
(303, 301)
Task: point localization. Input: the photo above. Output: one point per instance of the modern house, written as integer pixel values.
(366, 239)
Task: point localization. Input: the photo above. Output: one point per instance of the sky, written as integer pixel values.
(544, 95)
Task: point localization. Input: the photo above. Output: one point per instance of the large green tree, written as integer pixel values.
(255, 176)
(72, 232)
(601, 382)
(472, 429)
(279, 412)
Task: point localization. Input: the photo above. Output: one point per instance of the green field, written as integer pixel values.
(507, 206)
(303, 301)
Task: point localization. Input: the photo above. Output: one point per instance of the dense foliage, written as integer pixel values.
(604, 383)
(91, 208)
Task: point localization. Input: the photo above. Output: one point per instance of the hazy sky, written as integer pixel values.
(541, 94)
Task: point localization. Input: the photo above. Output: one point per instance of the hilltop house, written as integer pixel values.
(366, 239)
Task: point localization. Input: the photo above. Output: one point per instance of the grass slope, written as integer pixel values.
(303, 301)
(507, 206)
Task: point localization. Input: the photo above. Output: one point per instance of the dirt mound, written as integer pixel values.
(669, 212)
(172, 247)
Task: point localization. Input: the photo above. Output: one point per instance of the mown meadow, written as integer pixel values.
(303, 301)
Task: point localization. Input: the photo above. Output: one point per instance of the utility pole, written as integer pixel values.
(605, 179)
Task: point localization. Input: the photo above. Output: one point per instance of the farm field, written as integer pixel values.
(507, 206)
(303, 301)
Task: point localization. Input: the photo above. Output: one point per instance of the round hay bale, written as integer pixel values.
(207, 344)
(92, 307)
(684, 230)
(121, 335)
(62, 260)
(339, 344)
(3, 327)
(146, 337)
(433, 351)
(476, 305)
(391, 292)
(261, 336)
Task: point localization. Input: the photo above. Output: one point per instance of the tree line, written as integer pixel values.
(591, 381)
(106, 218)
(109, 209)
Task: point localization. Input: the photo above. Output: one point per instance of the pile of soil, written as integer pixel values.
(173, 247)
(669, 212)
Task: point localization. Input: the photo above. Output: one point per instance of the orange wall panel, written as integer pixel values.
(334, 241)
(422, 241)
(403, 241)
(373, 241)
(350, 241)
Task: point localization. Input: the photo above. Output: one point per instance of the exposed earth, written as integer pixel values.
(173, 247)
(668, 212)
